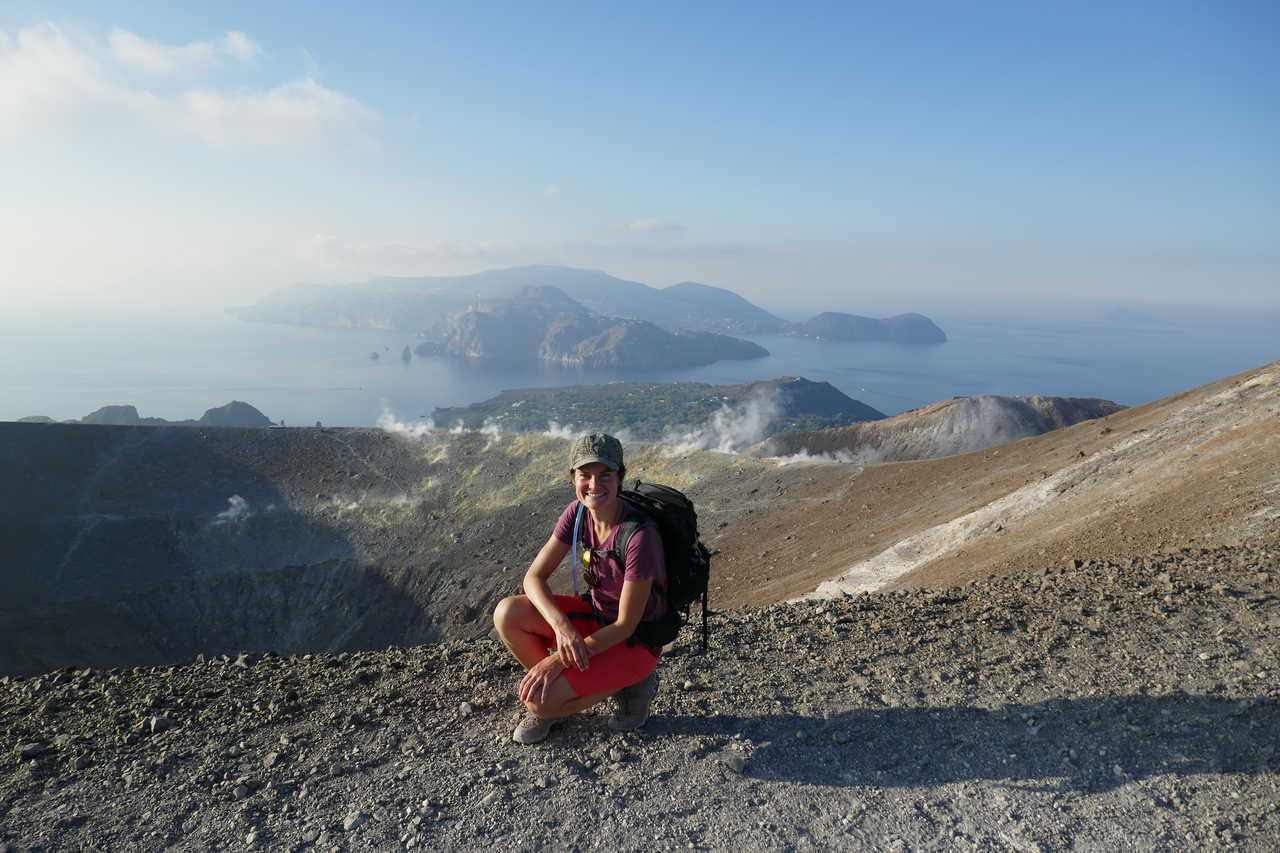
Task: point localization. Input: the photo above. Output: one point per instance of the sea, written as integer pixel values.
(177, 363)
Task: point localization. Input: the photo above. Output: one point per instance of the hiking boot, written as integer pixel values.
(532, 729)
(632, 704)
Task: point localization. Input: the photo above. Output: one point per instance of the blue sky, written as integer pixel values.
(861, 157)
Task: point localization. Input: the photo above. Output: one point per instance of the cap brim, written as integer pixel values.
(587, 460)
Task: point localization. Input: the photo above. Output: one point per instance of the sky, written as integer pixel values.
(855, 156)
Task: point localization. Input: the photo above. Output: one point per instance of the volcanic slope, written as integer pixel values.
(957, 425)
(1199, 468)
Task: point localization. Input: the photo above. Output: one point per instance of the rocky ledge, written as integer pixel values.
(1093, 705)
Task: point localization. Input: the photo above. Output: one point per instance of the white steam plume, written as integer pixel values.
(568, 431)
(419, 429)
(237, 510)
(732, 428)
(863, 456)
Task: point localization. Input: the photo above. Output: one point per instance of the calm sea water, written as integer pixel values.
(177, 364)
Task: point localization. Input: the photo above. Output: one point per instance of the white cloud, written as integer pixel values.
(47, 77)
(153, 57)
(552, 191)
(286, 116)
(41, 71)
(391, 257)
(240, 46)
(649, 226)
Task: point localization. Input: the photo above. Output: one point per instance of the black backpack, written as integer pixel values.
(688, 560)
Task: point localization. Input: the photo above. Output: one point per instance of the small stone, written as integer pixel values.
(734, 762)
(354, 821)
(689, 685)
(248, 659)
(310, 834)
(82, 762)
(30, 750)
(240, 791)
(155, 725)
(271, 760)
(493, 797)
(465, 708)
(252, 838)
(840, 737)
(617, 754)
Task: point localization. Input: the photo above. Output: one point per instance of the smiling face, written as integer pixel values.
(596, 486)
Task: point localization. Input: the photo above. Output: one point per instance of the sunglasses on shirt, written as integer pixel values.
(590, 557)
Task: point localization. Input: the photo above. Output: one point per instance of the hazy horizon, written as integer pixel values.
(823, 156)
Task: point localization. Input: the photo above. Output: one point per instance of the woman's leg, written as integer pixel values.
(522, 629)
(527, 635)
(561, 701)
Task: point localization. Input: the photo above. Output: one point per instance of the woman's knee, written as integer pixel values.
(508, 610)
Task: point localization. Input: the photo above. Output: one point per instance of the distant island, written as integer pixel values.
(442, 309)
(233, 414)
(911, 329)
(419, 304)
(545, 324)
(651, 410)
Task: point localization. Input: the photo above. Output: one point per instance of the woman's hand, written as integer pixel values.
(536, 684)
(572, 650)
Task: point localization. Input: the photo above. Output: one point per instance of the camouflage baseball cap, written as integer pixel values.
(596, 447)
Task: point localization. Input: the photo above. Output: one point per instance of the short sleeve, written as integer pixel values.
(564, 526)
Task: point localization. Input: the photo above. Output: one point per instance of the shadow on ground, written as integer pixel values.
(1089, 745)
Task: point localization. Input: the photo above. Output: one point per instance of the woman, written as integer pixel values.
(579, 652)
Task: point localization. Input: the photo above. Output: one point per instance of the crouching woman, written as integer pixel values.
(580, 651)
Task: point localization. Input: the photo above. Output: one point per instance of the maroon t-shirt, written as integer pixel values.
(644, 561)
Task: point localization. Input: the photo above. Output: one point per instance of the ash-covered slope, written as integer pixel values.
(957, 425)
(149, 545)
(1106, 706)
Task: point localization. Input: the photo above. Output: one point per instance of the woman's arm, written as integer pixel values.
(569, 644)
(635, 596)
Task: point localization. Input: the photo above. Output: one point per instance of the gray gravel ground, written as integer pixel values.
(1092, 706)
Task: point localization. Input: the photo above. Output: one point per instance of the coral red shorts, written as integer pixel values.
(616, 667)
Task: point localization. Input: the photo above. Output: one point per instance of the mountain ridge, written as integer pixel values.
(421, 303)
